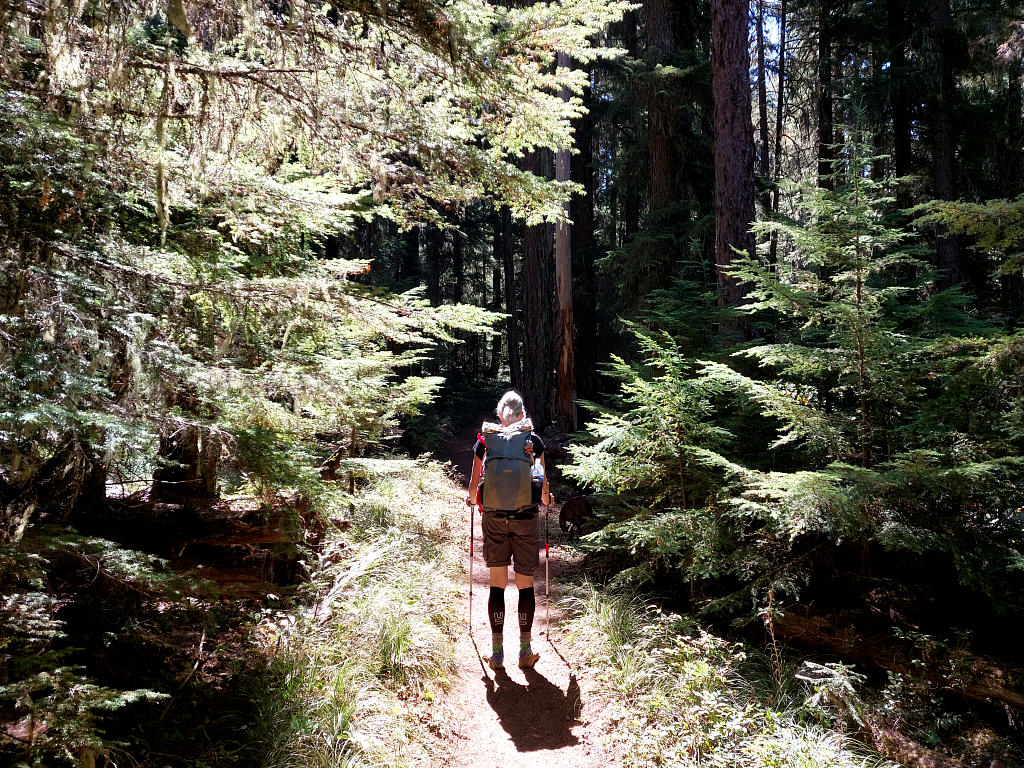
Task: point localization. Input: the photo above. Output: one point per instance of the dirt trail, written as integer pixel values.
(520, 718)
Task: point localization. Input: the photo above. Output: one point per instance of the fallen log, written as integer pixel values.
(892, 744)
(863, 639)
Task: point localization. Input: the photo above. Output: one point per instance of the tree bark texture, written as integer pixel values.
(660, 20)
(72, 480)
(189, 456)
(433, 255)
(826, 153)
(780, 102)
(944, 141)
(897, 34)
(764, 166)
(1012, 284)
(459, 262)
(627, 194)
(494, 364)
(581, 211)
(867, 639)
(893, 744)
(565, 379)
(515, 368)
(734, 142)
(1013, 183)
(538, 309)
(409, 261)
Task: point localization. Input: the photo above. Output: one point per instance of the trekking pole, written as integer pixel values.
(547, 576)
(472, 515)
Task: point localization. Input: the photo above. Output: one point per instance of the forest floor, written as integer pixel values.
(545, 716)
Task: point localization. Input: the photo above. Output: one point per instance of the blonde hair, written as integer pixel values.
(512, 404)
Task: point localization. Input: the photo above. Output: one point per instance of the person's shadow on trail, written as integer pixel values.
(537, 715)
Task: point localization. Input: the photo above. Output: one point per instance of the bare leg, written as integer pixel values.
(499, 576)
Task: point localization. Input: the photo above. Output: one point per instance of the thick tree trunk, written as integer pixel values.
(734, 142)
(1012, 285)
(897, 33)
(433, 254)
(628, 194)
(409, 260)
(780, 101)
(764, 166)
(494, 363)
(370, 237)
(1013, 179)
(565, 379)
(512, 325)
(459, 261)
(581, 211)
(944, 142)
(659, 36)
(826, 153)
(538, 294)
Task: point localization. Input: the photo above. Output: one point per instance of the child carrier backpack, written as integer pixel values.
(507, 465)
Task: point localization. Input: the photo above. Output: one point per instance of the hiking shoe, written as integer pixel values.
(528, 660)
(495, 661)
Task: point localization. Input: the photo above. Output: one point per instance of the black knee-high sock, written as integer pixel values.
(527, 606)
(496, 613)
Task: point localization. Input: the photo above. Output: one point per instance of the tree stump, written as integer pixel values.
(72, 480)
(188, 464)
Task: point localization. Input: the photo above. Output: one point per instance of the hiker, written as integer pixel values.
(510, 535)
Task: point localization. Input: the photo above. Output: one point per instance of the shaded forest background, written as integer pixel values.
(756, 268)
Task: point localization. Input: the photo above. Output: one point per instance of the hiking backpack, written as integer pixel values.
(507, 465)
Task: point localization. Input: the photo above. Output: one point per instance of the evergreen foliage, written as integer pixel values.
(863, 374)
(174, 186)
(271, 233)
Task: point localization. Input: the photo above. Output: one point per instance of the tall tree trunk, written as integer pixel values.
(581, 211)
(943, 140)
(407, 265)
(764, 167)
(433, 254)
(629, 193)
(780, 102)
(565, 380)
(1012, 284)
(826, 153)
(371, 236)
(459, 260)
(1013, 183)
(494, 364)
(659, 37)
(897, 32)
(538, 292)
(734, 141)
(515, 367)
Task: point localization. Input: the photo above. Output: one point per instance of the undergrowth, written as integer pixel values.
(351, 675)
(684, 697)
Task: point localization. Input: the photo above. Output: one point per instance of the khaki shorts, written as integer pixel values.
(507, 540)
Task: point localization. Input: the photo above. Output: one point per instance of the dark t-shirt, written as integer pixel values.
(538, 447)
